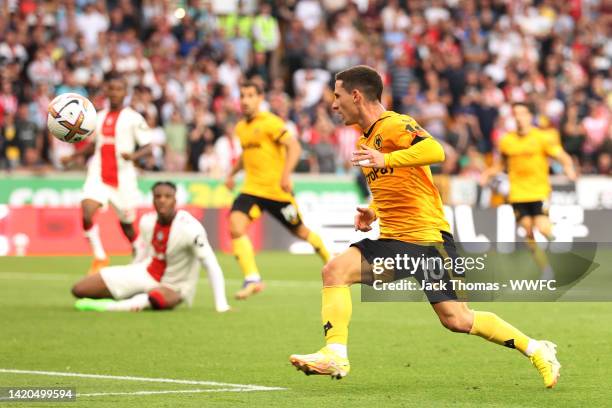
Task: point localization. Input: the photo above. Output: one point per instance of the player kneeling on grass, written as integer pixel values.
(166, 271)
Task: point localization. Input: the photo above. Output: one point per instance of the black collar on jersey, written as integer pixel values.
(369, 131)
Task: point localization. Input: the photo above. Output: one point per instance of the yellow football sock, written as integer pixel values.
(317, 243)
(491, 327)
(243, 250)
(538, 254)
(336, 313)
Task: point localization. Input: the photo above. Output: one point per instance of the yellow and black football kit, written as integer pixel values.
(411, 215)
(526, 158)
(263, 158)
(404, 197)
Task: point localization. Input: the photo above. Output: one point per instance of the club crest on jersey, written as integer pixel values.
(199, 241)
(378, 140)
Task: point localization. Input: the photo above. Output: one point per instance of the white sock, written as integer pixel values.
(532, 347)
(253, 277)
(93, 236)
(340, 349)
(548, 273)
(216, 279)
(134, 304)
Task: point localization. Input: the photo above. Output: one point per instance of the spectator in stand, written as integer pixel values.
(209, 164)
(310, 83)
(227, 150)
(10, 143)
(200, 137)
(596, 127)
(70, 84)
(176, 142)
(155, 161)
(29, 137)
(8, 101)
(266, 33)
(324, 152)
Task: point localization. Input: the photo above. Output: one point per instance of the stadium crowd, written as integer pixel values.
(454, 65)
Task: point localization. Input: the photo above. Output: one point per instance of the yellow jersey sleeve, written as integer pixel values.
(413, 145)
(551, 145)
(425, 152)
(406, 132)
(276, 129)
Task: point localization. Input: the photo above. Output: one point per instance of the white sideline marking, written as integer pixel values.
(195, 391)
(242, 387)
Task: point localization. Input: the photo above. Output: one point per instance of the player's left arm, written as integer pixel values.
(142, 152)
(142, 136)
(205, 254)
(415, 148)
(291, 160)
(555, 151)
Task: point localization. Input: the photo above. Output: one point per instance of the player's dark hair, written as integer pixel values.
(252, 84)
(530, 106)
(115, 76)
(164, 183)
(363, 78)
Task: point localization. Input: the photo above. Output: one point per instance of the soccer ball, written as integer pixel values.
(71, 117)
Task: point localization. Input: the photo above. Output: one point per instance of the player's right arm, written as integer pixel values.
(142, 248)
(365, 217)
(86, 152)
(229, 181)
(498, 166)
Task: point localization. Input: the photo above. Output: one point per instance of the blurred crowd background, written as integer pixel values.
(454, 65)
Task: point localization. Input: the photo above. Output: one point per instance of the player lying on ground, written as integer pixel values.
(525, 154)
(395, 157)
(167, 269)
(269, 155)
(111, 174)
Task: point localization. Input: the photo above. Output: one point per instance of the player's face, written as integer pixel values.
(344, 105)
(116, 92)
(522, 116)
(164, 201)
(250, 100)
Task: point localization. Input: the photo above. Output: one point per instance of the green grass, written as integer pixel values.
(400, 355)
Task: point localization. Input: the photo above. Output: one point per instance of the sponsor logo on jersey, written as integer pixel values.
(375, 174)
(251, 145)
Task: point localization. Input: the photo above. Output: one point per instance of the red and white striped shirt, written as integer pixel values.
(117, 132)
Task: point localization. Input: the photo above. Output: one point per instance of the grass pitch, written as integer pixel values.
(400, 355)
